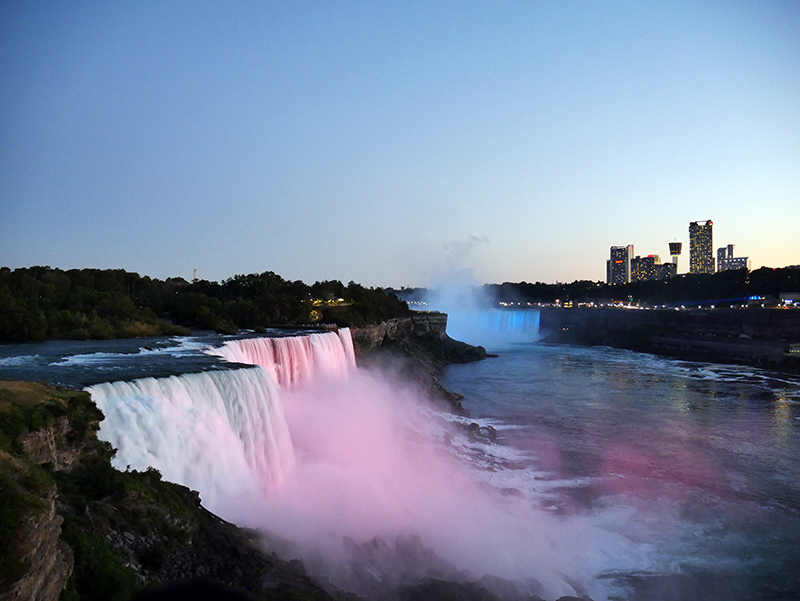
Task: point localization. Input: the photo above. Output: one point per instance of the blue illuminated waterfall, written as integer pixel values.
(493, 328)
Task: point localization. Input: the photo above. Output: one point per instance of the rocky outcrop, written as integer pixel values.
(417, 348)
(427, 324)
(47, 445)
(35, 561)
(49, 560)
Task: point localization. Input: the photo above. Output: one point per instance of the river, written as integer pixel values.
(698, 461)
(629, 476)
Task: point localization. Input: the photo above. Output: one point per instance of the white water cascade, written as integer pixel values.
(222, 433)
(366, 463)
(293, 359)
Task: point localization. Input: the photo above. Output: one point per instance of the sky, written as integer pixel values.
(395, 143)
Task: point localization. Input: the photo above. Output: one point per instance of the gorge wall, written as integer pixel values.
(759, 337)
(417, 348)
(430, 324)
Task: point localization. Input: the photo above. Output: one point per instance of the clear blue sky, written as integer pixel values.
(391, 143)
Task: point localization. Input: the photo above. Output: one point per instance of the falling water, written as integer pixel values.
(493, 328)
(293, 359)
(222, 433)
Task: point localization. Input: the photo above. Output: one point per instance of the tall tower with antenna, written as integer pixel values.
(675, 251)
(194, 275)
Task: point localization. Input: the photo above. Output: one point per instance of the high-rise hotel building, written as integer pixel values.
(701, 255)
(618, 268)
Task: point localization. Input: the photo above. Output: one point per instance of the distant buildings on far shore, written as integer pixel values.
(726, 261)
(618, 267)
(651, 268)
(701, 256)
(622, 267)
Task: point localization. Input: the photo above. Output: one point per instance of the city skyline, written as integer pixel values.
(394, 144)
(625, 266)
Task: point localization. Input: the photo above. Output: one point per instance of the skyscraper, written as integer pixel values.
(618, 268)
(701, 255)
(723, 254)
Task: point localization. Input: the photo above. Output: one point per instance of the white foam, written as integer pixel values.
(19, 360)
(88, 359)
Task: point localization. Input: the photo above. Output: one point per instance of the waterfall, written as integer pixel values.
(294, 359)
(493, 328)
(222, 433)
(511, 321)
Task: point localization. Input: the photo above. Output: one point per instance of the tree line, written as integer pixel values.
(727, 287)
(39, 303)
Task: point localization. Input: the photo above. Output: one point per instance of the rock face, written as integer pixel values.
(46, 446)
(416, 348)
(768, 338)
(422, 324)
(36, 562)
(50, 559)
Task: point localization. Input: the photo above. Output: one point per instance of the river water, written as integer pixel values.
(699, 462)
(644, 478)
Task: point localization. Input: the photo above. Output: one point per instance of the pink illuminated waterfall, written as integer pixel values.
(294, 359)
(222, 432)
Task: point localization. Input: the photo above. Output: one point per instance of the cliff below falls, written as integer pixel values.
(416, 349)
(74, 528)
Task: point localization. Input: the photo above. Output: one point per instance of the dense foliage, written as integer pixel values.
(42, 302)
(733, 287)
